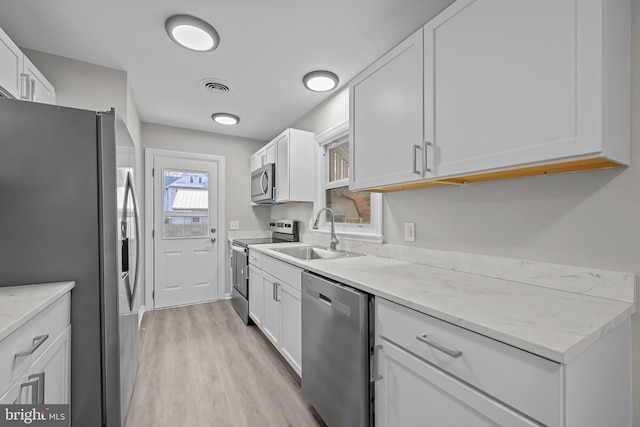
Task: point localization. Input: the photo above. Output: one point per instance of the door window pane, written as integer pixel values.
(185, 198)
(347, 206)
(339, 162)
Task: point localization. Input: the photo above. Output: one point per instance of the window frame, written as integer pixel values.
(372, 232)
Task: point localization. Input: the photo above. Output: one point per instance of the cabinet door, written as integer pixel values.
(256, 296)
(513, 92)
(291, 331)
(47, 381)
(282, 167)
(257, 159)
(55, 367)
(10, 66)
(40, 90)
(386, 119)
(271, 318)
(269, 153)
(412, 393)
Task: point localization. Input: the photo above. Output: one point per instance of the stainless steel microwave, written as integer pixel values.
(263, 188)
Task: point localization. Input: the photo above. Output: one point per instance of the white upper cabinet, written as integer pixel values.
(294, 166)
(266, 154)
(387, 144)
(10, 66)
(496, 89)
(39, 90)
(19, 78)
(513, 83)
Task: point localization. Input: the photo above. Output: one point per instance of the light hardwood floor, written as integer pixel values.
(201, 366)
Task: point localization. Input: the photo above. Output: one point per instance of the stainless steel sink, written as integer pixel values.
(313, 253)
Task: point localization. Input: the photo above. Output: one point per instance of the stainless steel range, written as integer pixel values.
(282, 231)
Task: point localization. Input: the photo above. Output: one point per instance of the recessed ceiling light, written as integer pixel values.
(192, 33)
(225, 119)
(320, 81)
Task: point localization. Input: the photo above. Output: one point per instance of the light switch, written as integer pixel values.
(234, 225)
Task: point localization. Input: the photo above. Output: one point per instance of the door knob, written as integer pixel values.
(213, 230)
(213, 240)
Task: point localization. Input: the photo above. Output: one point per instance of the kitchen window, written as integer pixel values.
(357, 214)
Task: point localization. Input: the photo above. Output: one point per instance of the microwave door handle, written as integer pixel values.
(264, 181)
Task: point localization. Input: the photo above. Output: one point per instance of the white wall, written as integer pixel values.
(83, 85)
(588, 219)
(237, 153)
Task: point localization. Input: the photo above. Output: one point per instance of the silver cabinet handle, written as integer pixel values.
(424, 160)
(37, 342)
(38, 390)
(453, 353)
(373, 364)
(32, 94)
(24, 87)
(276, 292)
(415, 170)
(36, 382)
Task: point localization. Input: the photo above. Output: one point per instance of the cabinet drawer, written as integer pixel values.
(531, 384)
(49, 323)
(255, 258)
(282, 271)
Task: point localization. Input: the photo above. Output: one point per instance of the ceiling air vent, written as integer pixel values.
(215, 86)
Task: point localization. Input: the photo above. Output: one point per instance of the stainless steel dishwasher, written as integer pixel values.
(337, 339)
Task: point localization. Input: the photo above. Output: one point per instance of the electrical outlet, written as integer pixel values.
(234, 225)
(409, 231)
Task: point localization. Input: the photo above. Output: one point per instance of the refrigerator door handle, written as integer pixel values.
(129, 188)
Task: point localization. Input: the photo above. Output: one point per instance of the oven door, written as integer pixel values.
(263, 184)
(240, 277)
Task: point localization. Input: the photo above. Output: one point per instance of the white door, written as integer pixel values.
(185, 235)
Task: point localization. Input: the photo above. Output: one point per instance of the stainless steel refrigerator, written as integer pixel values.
(68, 212)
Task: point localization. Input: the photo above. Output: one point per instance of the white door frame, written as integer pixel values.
(149, 155)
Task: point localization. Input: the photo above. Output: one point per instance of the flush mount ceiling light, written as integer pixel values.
(192, 33)
(320, 81)
(225, 119)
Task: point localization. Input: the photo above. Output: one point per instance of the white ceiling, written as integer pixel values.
(266, 48)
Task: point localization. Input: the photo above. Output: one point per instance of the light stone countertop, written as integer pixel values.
(19, 304)
(554, 324)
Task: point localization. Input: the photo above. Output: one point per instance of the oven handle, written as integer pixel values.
(238, 248)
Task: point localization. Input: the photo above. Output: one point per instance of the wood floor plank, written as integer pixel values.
(200, 365)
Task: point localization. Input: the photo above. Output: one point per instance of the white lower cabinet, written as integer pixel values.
(256, 295)
(291, 326)
(412, 391)
(36, 358)
(271, 321)
(431, 372)
(275, 306)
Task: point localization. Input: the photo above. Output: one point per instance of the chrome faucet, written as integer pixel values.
(334, 239)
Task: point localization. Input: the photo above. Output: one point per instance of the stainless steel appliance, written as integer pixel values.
(263, 184)
(337, 340)
(68, 212)
(282, 231)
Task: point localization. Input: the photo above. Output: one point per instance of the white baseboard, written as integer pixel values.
(227, 296)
